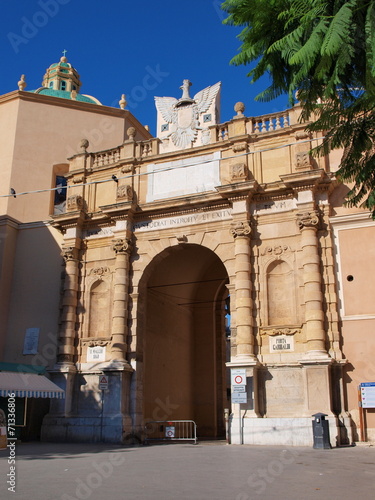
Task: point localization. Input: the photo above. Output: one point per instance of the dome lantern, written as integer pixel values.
(62, 76)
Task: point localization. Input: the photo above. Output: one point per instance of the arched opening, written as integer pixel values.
(182, 324)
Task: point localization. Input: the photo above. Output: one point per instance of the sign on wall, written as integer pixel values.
(96, 353)
(368, 394)
(238, 376)
(103, 382)
(30, 345)
(282, 343)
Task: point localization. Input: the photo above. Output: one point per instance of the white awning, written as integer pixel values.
(28, 385)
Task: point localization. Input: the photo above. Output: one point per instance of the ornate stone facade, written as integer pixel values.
(210, 248)
(155, 297)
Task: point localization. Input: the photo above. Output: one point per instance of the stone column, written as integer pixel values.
(314, 315)
(69, 306)
(122, 248)
(64, 375)
(243, 300)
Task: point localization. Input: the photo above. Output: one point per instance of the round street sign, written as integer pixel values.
(238, 376)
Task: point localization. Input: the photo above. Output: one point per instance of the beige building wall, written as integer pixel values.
(355, 243)
(40, 134)
(8, 123)
(35, 294)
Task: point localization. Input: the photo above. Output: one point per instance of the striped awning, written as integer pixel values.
(28, 385)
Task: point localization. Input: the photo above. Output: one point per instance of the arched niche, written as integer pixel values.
(281, 286)
(99, 324)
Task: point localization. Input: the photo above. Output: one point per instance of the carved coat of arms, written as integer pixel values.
(184, 113)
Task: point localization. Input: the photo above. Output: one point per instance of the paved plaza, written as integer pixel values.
(211, 470)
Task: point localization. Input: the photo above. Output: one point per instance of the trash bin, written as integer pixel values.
(321, 432)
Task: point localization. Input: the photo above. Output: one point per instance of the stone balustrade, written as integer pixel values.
(104, 158)
(270, 122)
(218, 133)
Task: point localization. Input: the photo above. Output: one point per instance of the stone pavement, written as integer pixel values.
(211, 470)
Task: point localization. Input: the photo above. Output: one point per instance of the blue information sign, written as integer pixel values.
(368, 394)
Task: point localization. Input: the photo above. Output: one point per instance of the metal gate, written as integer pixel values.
(171, 430)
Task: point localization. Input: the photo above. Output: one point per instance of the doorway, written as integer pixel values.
(182, 317)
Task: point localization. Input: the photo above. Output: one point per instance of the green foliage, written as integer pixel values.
(325, 51)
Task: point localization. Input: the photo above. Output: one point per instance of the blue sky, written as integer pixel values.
(141, 49)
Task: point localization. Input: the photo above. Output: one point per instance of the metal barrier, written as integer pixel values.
(171, 430)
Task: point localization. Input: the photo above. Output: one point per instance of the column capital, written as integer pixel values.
(240, 228)
(122, 246)
(308, 219)
(69, 253)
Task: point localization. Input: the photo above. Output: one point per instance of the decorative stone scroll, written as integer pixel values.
(99, 271)
(240, 228)
(280, 331)
(95, 343)
(238, 172)
(125, 192)
(74, 202)
(276, 250)
(303, 159)
(122, 246)
(308, 219)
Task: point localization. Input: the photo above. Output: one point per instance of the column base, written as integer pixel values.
(96, 415)
(316, 356)
(243, 360)
(284, 431)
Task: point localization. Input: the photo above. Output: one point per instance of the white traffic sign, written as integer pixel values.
(103, 382)
(169, 431)
(239, 388)
(238, 376)
(239, 397)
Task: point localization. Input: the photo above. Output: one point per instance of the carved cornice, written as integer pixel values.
(122, 246)
(308, 219)
(240, 228)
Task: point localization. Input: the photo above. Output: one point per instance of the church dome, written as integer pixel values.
(62, 80)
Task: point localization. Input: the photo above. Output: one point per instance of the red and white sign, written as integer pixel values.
(169, 431)
(238, 376)
(103, 382)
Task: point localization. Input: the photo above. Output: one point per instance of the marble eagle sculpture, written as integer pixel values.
(184, 113)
